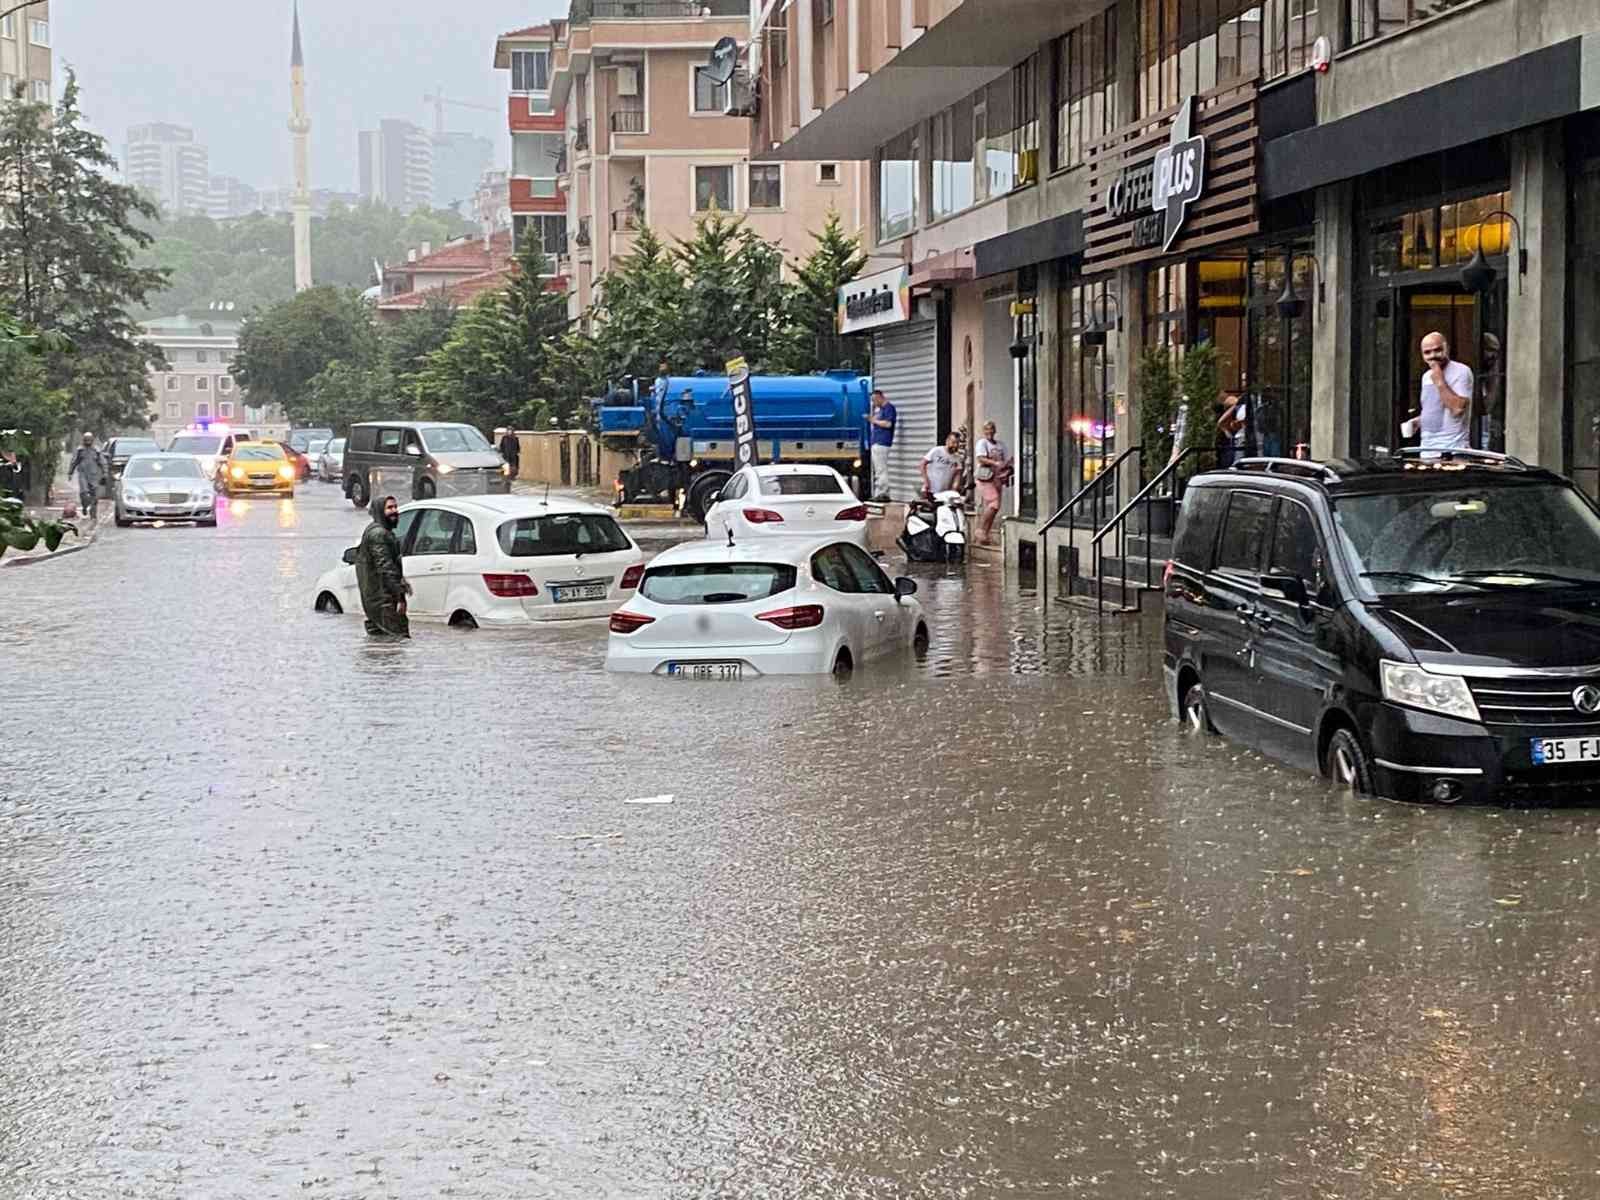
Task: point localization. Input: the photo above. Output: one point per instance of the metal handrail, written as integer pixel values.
(1106, 474)
(1119, 522)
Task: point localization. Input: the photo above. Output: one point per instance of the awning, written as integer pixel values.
(1059, 237)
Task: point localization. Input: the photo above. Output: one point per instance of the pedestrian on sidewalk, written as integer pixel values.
(511, 450)
(941, 467)
(993, 473)
(880, 436)
(90, 467)
(379, 572)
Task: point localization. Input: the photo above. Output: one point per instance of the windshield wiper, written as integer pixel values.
(1543, 576)
(725, 597)
(1414, 577)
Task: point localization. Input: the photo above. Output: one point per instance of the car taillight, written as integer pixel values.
(630, 577)
(800, 616)
(627, 622)
(510, 585)
(856, 512)
(763, 516)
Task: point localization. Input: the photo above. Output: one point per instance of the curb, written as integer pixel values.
(80, 544)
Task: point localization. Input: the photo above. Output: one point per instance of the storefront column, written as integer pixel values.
(1126, 346)
(1047, 399)
(1333, 322)
(1536, 321)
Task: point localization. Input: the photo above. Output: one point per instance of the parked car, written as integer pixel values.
(503, 560)
(769, 606)
(257, 468)
(304, 439)
(118, 451)
(330, 463)
(300, 460)
(166, 488)
(210, 446)
(431, 456)
(1419, 626)
(760, 501)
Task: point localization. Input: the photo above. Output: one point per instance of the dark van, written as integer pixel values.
(1418, 627)
(430, 451)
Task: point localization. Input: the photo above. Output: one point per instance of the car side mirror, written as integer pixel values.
(414, 450)
(350, 556)
(1291, 587)
(904, 586)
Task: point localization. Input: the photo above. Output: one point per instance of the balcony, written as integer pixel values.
(583, 242)
(656, 10)
(629, 120)
(580, 138)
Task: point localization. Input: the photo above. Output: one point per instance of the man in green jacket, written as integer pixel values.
(378, 570)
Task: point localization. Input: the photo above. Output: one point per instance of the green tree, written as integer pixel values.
(410, 339)
(639, 319)
(68, 237)
(734, 297)
(814, 342)
(282, 349)
(34, 415)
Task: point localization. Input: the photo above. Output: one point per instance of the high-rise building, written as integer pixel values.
(167, 164)
(459, 161)
(397, 165)
(25, 53)
(228, 197)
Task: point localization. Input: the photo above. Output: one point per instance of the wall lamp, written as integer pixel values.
(1094, 334)
(1290, 305)
(1478, 276)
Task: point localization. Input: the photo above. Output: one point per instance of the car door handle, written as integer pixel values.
(880, 614)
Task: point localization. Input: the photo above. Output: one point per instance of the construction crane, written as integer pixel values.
(439, 100)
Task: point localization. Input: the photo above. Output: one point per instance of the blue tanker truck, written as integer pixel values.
(679, 431)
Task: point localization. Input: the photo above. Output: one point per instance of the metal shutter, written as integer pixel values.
(904, 365)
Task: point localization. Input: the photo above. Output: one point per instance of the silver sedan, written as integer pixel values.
(165, 488)
(330, 463)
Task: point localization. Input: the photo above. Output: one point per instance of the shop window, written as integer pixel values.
(953, 165)
(1085, 67)
(1369, 19)
(898, 193)
(1444, 235)
(1087, 417)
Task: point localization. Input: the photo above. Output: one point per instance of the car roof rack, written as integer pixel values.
(1486, 456)
(1289, 466)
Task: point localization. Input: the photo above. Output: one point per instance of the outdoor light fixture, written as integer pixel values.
(1290, 305)
(1478, 276)
(1094, 334)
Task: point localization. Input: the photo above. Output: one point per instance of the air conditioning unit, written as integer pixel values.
(627, 81)
(742, 98)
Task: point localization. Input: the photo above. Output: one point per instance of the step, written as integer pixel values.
(1160, 546)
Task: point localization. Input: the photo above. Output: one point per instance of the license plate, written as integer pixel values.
(705, 670)
(1549, 752)
(578, 591)
(262, 482)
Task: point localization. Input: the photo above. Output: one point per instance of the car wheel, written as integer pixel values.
(122, 521)
(698, 503)
(290, 496)
(358, 491)
(843, 665)
(426, 489)
(207, 522)
(1195, 716)
(1346, 763)
(328, 603)
(462, 619)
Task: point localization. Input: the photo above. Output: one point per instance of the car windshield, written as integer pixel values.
(304, 439)
(801, 485)
(316, 445)
(134, 446)
(162, 468)
(1524, 535)
(195, 445)
(561, 533)
(336, 446)
(716, 583)
(254, 453)
(454, 439)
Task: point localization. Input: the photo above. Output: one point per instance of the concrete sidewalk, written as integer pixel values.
(88, 532)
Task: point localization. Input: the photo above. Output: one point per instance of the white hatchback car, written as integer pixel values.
(777, 606)
(503, 560)
(790, 499)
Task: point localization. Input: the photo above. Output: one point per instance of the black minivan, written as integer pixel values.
(1423, 627)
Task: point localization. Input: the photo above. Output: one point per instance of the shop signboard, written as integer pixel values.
(1180, 181)
(875, 300)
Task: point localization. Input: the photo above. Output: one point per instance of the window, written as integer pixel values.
(389, 441)
(1244, 533)
(408, 522)
(8, 26)
(549, 228)
(1295, 550)
(224, 383)
(41, 91)
(1374, 18)
(830, 568)
(530, 70)
(709, 96)
(802, 485)
(457, 439)
(534, 156)
(1197, 526)
(954, 179)
(8, 88)
(173, 383)
(201, 410)
(174, 411)
(828, 173)
(561, 533)
(1190, 46)
(39, 32)
(869, 576)
(713, 189)
(824, 14)
(1085, 63)
(766, 185)
(716, 583)
(202, 383)
(225, 410)
(438, 532)
(899, 201)
(202, 356)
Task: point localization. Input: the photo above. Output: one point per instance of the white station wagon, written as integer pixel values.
(503, 560)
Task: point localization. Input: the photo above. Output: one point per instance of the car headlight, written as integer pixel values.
(237, 472)
(1414, 687)
(132, 492)
(445, 468)
(505, 468)
(286, 471)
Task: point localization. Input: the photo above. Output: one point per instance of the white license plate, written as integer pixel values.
(578, 591)
(705, 670)
(1550, 752)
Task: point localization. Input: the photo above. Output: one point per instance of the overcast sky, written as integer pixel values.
(223, 70)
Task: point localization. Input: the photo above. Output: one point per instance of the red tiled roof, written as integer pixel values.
(463, 292)
(468, 255)
(530, 31)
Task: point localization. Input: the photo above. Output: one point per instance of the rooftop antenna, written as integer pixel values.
(730, 535)
(546, 499)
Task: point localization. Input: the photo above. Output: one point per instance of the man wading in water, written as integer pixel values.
(383, 582)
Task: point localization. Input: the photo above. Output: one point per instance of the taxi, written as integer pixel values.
(256, 468)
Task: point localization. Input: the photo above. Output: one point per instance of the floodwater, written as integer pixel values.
(284, 912)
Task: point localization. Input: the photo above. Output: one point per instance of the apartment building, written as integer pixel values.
(25, 53)
(1308, 185)
(647, 138)
(198, 387)
(396, 165)
(459, 271)
(537, 186)
(167, 164)
(228, 197)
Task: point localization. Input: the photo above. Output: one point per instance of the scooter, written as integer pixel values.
(936, 529)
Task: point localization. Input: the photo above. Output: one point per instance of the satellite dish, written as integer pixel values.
(724, 58)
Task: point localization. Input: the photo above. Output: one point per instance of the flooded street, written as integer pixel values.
(285, 912)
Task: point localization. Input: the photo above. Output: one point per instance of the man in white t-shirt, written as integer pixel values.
(1446, 397)
(941, 467)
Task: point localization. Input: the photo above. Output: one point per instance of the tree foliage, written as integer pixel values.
(816, 345)
(284, 348)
